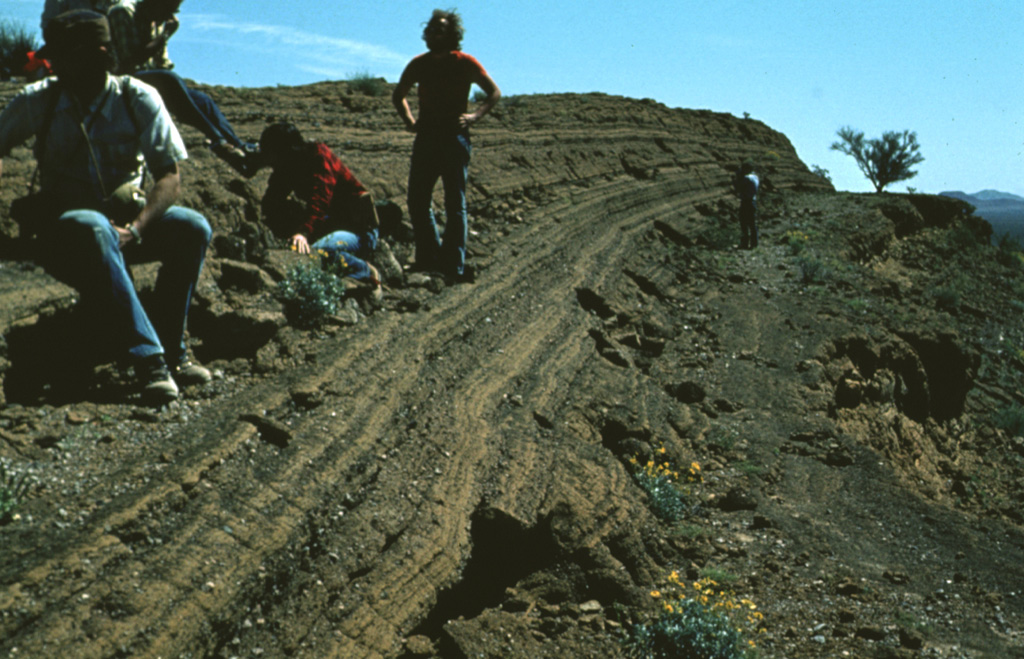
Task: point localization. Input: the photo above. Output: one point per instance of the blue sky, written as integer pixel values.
(951, 71)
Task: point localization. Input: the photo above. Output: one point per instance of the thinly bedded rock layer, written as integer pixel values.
(451, 465)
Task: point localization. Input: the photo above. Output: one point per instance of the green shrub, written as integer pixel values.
(1010, 252)
(664, 498)
(960, 238)
(858, 305)
(367, 85)
(1010, 419)
(13, 489)
(660, 482)
(689, 631)
(723, 438)
(812, 270)
(690, 531)
(310, 294)
(796, 241)
(946, 298)
(696, 621)
(718, 575)
(821, 173)
(748, 468)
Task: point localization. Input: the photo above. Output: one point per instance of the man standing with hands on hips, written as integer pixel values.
(94, 132)
(444, 75)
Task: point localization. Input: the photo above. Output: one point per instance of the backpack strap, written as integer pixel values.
(44, 129)
(128, 96)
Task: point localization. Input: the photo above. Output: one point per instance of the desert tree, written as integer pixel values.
(882, 160)
(16, 41)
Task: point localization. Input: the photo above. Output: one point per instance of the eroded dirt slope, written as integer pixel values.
(450, 475)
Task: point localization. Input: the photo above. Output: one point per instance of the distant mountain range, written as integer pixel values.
(1004, 211)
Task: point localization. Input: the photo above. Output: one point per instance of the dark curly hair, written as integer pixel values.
(450, 34)
(281, 140)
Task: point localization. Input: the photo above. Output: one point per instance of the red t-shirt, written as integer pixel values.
(444, 81)
(35, 63)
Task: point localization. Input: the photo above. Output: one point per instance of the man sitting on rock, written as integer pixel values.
(94, 132)
(336, 215)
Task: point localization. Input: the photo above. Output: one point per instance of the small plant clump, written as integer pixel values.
(946, 298)
(961, 240)
(1010, 252)
(311, 291)
(812, 271)
(821, 173)
(796, 241)
(697, 621)
(367, 85)
(1010, 419)
(659, 480)
(13, 489)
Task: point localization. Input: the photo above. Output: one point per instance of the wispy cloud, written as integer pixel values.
(310, 45)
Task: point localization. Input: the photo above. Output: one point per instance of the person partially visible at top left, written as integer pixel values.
(52, 8)
(140, 31)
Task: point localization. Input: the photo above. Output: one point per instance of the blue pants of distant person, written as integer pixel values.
(82, 249)
(352, 248)
(445, 156)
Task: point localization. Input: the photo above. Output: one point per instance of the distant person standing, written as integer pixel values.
(747, 185)
(442, 146)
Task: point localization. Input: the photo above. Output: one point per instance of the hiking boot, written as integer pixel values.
(468, 276)
(157, 384)
(187, 372)
(245, 160)
(377, 292)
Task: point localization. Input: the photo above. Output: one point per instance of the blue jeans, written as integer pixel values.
(445, 156)
(82, 249)
(191, 106)
(350, 247)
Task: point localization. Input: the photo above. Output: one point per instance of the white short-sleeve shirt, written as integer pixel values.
(127, 124)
